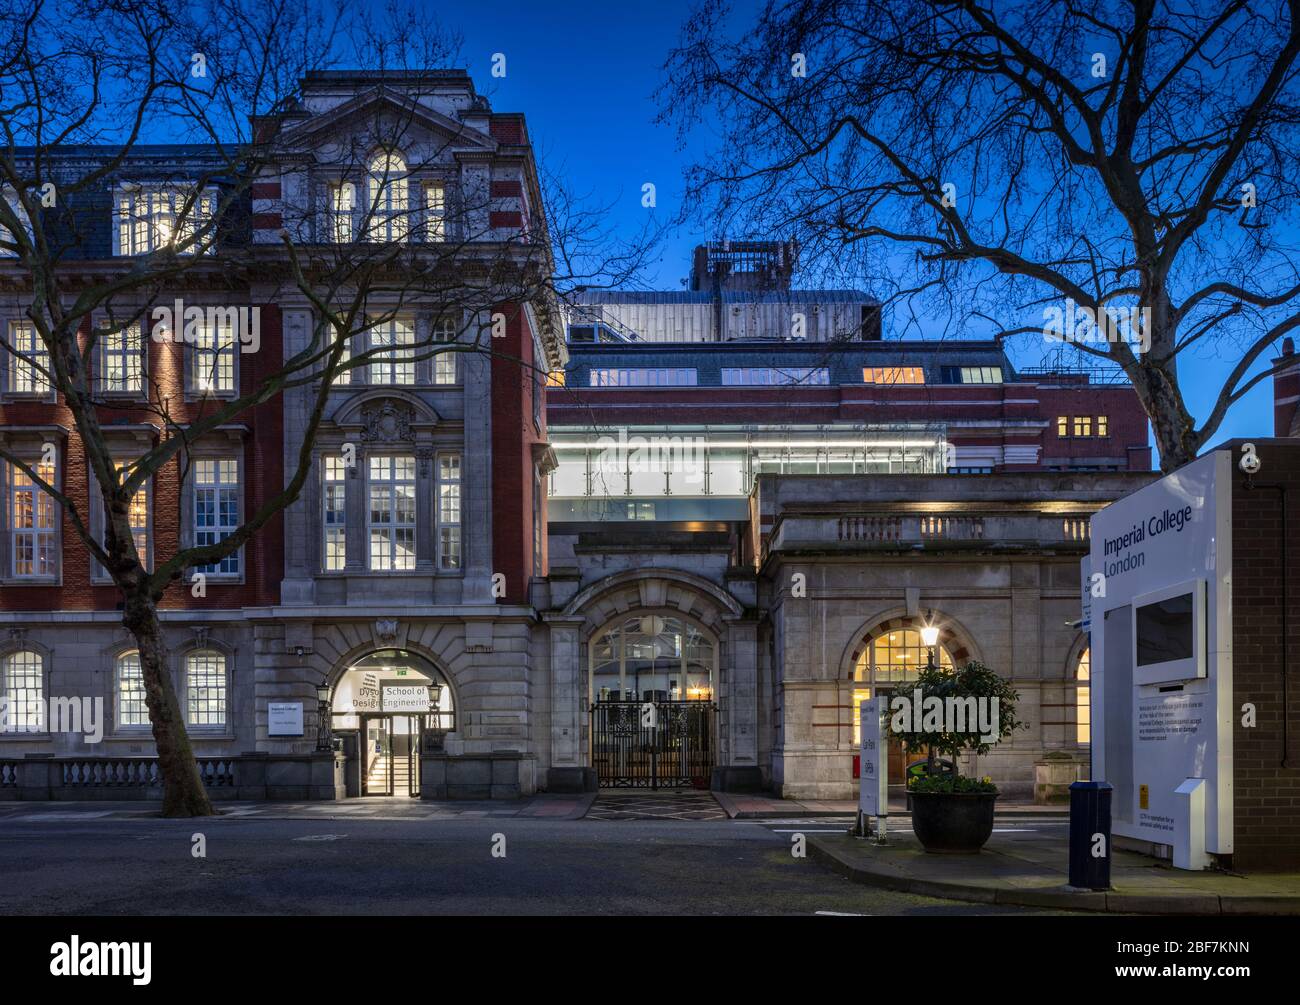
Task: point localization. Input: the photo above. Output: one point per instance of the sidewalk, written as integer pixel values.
(740, 806)
(555, 807)
(1029, 868)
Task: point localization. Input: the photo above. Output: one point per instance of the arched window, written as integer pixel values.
(389, 204)
(893, 657)
(23, 688)
(652, 657)
(205, 688)
(131, 708)
(1083, 698)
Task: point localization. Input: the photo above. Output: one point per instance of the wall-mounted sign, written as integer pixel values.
(366, 696)
(284, 718)
(408, 698)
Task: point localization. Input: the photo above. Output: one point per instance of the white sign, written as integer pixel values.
(873, 793)
(412, 698)
(284, 718)
(1161, 655)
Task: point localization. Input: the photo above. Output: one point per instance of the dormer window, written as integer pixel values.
(389, 203)
(151, 218)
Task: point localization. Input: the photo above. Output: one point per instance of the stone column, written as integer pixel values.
(567, 771)
(741, 769)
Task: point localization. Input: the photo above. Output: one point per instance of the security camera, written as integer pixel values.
(1249, 462)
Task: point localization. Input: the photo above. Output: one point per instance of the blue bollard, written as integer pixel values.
(1090, 833)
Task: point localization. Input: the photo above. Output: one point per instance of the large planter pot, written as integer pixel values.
(957, 823)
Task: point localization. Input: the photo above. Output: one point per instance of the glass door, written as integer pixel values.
(413, 756)
(377, 777)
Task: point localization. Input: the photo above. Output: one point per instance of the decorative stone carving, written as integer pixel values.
(386, 630)
(386, 423)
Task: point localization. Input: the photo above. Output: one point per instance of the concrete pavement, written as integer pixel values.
(1029, 866)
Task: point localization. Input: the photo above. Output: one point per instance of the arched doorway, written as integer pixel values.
(652, 677)
(386, 706)
(890, 659)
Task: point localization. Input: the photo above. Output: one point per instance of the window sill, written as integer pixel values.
(31, 581)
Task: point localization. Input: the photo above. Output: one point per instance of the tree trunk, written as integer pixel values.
(183, 792)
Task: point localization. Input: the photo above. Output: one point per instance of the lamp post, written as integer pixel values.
(323, 715)
(930, 639)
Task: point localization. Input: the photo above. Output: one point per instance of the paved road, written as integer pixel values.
(73, 864)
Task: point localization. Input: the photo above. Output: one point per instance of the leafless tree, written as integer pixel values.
(84, 88)
(1119, 177)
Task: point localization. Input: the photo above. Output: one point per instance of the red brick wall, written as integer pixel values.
(513, 436)
(1266, 794)
(263, 471)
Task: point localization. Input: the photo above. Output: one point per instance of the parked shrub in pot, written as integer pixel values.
(947, 712)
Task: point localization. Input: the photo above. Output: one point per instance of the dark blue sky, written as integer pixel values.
(585, 74)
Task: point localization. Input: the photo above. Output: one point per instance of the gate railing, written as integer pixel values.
(653, 744)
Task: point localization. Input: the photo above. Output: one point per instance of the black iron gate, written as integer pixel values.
(653, 744)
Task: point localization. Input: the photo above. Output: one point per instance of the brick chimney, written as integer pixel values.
(1286, 392)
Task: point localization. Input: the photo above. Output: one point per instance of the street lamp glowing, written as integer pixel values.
(930, 636)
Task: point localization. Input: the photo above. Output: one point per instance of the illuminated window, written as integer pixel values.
(1083, 699)
(435, 212)
(137, 516)
(343, 204)
(212, 359)
(205, 688)
(1103, 424)
(981, 375)
(859, 696)
(893, 375)
(31, 520)
(334, 515)
(1062, 425)
(395, 365)
(391, 521)
(896, 655)
(216, 509)
(131, 707)
(652, 657)
(1082, 425)
(151, 218)
(555, 378)
(388, 197)
(29, 361)
(121, 359)
(23, 689)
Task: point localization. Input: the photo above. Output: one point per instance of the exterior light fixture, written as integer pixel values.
(323, 741)
(930, 636)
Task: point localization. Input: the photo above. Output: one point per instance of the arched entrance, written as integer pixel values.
(652, 679)
(889, 659)
(386, 707)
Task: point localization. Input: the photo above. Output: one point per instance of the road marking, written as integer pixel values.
(1013, 830)
(840, 914)
(805, 830)
(320, 837)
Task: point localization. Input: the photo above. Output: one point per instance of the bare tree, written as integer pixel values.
(1119, 177)
(83, 86)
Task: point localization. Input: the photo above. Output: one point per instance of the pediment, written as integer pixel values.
(366, 105)
(385, 416)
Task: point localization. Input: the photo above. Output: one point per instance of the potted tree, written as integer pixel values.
(969, 708)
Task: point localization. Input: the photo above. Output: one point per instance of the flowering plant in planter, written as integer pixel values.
(968, 708)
